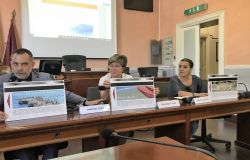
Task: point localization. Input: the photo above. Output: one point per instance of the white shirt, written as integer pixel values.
(108, 76)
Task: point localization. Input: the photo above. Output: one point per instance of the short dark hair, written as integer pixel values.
(23, 51)
(190, 62)
(118, 58)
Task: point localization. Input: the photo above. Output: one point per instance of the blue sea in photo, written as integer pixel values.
(83, 29)
(38, 98)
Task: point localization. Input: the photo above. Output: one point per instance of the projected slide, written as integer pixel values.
(70, 19)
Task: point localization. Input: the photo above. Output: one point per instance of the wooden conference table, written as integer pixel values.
(39, 131)
(141, 151)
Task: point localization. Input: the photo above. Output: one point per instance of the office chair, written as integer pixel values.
(126, 70)
(74, 62)
(164, 87)
(93, 93)
(148, 71)
(53, 67)
(207, 138)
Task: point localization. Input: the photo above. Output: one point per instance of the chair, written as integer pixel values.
(53, 67)
(93, 93)
(164, 87)
(148, 71)
(126, 70)
(74, 62)
(207, 138)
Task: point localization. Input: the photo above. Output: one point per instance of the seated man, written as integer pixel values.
(22, 63)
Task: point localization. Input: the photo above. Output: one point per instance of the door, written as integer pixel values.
(190, 41)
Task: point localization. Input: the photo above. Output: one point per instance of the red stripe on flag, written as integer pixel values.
(11, 44)
(8, 100)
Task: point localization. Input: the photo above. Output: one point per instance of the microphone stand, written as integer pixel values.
(246, 93)
(114, 134)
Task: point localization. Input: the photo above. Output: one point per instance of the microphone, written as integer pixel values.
(189, 99)
(108, 134)
(12, 78)
(244, 94)
(36, 73)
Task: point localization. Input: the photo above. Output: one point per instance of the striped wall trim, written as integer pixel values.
(237, 67)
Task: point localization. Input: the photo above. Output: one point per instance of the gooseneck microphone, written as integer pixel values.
(12, 78)
(108, 134)
(245, 94)
(189, 99)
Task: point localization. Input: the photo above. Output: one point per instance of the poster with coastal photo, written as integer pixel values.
(222, 87)
(25, 100)
(129, 94)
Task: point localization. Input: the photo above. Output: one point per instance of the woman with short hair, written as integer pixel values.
(116, 64)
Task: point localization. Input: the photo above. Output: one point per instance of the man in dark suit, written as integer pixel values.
(22, 63)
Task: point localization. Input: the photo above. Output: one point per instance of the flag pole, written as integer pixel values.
(13, 14)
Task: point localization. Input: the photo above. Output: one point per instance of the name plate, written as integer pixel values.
(201, 100)
(168, 104)
(94, 109)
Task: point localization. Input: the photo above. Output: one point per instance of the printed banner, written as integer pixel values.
(222, 87)
(137, 93)
(24, 100)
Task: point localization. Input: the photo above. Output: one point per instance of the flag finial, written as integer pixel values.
(13, 14)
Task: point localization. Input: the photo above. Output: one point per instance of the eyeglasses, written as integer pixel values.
(114, 66)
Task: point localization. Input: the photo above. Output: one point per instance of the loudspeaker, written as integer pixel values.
(244, 95)
(156, 54)
(139, 5)
(155, 47)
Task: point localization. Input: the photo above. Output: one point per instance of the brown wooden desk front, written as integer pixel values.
(142, 151)
(34, 132)
(79, 81)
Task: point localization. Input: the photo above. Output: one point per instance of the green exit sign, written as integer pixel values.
(196, 9)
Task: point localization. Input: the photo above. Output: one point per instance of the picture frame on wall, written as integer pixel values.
(167, 51)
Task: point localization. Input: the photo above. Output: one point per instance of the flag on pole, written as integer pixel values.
(11, 45)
